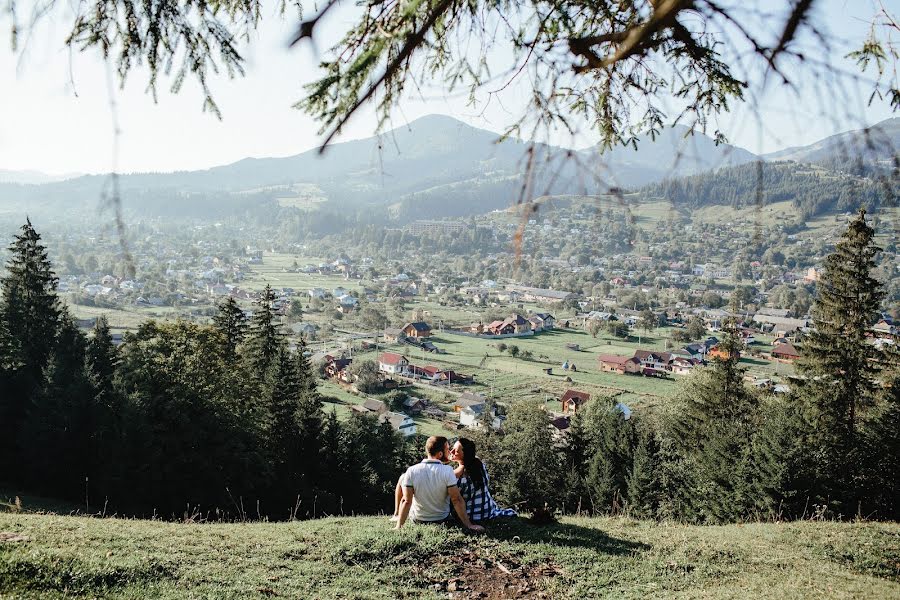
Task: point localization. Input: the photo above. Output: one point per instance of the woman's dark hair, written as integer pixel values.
(474, 468)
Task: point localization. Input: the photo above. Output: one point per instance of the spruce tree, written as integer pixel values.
(839, 366)
(530, 469)
(643, 483)
(30, 314)
(882, 448)
(782, 461)
(332, 462)
(30, 308)
(232, 322)
(55, 437)
(284, 430)
(710, 424)
(265, 338)
(309, 417)
(107, 408)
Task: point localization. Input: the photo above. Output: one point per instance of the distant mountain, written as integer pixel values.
(879, 143)
(32, 177)
(675, 152)
(434, 167)
(408, 164)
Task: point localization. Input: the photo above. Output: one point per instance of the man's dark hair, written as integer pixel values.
(435, 444)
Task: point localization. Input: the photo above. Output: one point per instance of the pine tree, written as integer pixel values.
(30, 308)
(882, 448)
(265, 339)
(782, 461)
(284, 430)
(107, 408)
(710, 425)
(711, 394)
(332, 463)
(55, 436)
(30, 314)
(309, 417)
(847, 303)
(530, 469)
(643, 483)
(232, 322)
(837, 362)
(609, 443)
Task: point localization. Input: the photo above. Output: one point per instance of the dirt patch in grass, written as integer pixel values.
(474, 575)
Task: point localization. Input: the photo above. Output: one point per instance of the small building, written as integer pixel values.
(375, 406)
(719, 351)
(473, 417)
(393, 334)
(786, 352)
(468, 399)
(336, 368)
(542, 321)
(573, 399)
(401, 423)
(390, 362)
(413, 405)
(682, 366)
(612, 363)
(652, 362)
(418, 329)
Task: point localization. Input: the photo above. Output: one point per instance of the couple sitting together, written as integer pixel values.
(426, 490)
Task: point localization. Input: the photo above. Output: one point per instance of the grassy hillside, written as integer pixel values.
(45, 556)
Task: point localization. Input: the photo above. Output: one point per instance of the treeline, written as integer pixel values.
(812, 191)
(181, 417)
(722, 452)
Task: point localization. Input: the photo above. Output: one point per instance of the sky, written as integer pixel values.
(60, 108)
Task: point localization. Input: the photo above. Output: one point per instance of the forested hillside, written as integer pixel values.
(812, 190)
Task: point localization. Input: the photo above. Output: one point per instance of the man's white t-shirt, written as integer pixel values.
(430, 480)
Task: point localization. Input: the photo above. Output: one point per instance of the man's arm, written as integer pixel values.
(405, 504)
(460, 505)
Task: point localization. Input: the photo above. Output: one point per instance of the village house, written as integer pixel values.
(401, 423)
(393, 334)
(500, 328)
(375, 406)
(392, 363)
(572, 400)
(786, 352)
(336, 368)
(418, 329)
(542, 321)
(473, 417)
(468, 399)
(682, 366)
(530, 294)
(413, 405)
(612, 363)
(721, 352)
(885, 328)
(652, 362)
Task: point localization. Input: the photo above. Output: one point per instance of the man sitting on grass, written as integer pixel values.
(430, 486)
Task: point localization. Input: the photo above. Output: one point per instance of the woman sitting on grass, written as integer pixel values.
(473, 480)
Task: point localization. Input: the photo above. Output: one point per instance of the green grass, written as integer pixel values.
(510, 377)
(362, 557)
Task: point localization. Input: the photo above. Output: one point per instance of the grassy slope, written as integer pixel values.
(363, 558)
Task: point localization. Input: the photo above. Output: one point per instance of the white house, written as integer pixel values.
(390, 362)
(400, 422)
(317, 293)
(348, 300)
(471, 416)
